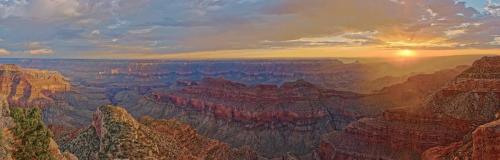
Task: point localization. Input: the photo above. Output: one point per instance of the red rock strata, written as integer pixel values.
(273, 120)
(481, 144)
(260, 104)
(486, 141)
(445, 118)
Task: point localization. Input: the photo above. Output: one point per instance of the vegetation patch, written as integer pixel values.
(32, 137)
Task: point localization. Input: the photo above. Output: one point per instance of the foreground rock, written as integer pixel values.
(24, 136)
(115, 134)
(448, 115)
(486, 140)
(478, 145)
(24, 88)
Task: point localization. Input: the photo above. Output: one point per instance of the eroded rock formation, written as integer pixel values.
(29, 87)
(486, 140)
(443, 119)
(114, 133)
(262, 104)
(478, 145)
(273, 120)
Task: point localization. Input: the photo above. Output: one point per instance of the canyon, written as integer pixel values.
(272, 119)
(324, 109)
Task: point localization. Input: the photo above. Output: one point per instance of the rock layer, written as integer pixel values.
(273, 120)
(263, 104)
(29, 87)
(486, 141)
(478, 145)
(444, 118)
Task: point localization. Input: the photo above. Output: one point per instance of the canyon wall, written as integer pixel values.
(444, 118)
(29, 87)
(274, 120)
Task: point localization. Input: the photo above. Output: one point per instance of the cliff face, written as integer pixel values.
(478, 145)
(473, 96)
(28, 87)
(486, 140)
(20, 87)
(116, 134)
(264, 104)
(273, 120)
(444, 118)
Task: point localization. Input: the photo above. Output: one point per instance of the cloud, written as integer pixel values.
(496, 41)
(4, 52)
(95, 33)
(77, 27)
(64, 9)
(39, 9)
(493, 8)
(55, 8)
(43, 51)
(142, 31)
(37, 48)
(411, 21)
(345, 39)
(12, 8)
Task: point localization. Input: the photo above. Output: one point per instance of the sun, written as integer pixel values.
(406, 53)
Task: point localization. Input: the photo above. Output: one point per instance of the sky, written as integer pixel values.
(232, 29)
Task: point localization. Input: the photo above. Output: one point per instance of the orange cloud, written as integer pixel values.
(43, 51)
(297, 23)
(291, 53)
(4, 52)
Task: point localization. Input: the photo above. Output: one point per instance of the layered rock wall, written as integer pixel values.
(29, 87)
(437, 125)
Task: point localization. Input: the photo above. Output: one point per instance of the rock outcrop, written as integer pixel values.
(115, 134)
(443, 119)
(478, 145)
(20, 87)
(29, 87)
(16, 146)
(486, 141)
(23, 87)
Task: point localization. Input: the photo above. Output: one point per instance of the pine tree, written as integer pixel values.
(33, 138)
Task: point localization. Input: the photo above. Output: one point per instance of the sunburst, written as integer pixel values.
(406, 53)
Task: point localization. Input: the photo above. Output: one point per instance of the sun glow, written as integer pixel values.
(406, 53)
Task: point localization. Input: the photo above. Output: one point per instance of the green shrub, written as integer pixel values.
(33, 138)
